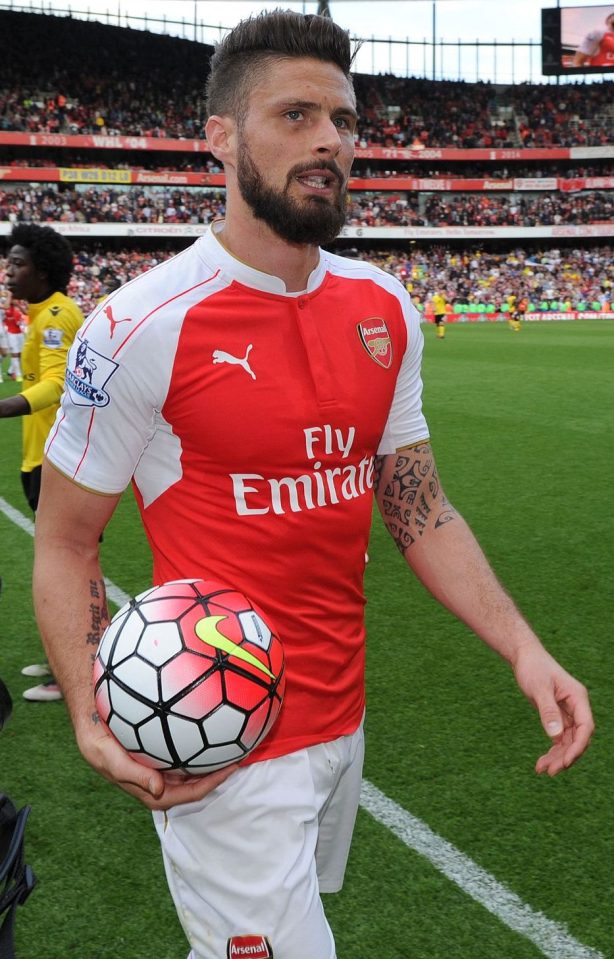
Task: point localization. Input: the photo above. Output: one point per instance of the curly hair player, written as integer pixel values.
(39, 266)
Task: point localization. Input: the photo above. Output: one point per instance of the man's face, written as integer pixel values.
(23, 280)
(295, 149)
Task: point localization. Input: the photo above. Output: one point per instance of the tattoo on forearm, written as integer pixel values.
(411, 498)
(446, 515)
(378, 465)
(99, 616)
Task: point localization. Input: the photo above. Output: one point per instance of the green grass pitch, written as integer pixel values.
(522, 426)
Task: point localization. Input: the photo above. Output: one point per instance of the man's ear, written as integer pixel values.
(221, 137)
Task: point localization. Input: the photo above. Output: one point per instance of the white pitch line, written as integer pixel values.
(114, 593)
(551, 938)
(16, 517)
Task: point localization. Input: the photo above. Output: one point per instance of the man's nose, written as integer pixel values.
(328, 140)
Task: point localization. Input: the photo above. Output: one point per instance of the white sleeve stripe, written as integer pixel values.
(109, 299)
(87, 445)
(144, 319)
(55, 428)
(161, 306)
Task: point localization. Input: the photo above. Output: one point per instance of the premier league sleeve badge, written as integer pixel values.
(88, 374)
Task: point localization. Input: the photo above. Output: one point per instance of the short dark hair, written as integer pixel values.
(50, 252)
(239, 60)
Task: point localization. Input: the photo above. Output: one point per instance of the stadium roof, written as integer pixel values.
(469, 40)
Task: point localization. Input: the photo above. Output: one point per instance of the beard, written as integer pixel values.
(316, 220)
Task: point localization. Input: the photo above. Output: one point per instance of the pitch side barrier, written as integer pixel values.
(524, 234)
(528, 317)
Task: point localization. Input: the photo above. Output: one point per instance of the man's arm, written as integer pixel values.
(580, 58)
(443, 552)
(71, 610)
(588, 48)
(15, 405)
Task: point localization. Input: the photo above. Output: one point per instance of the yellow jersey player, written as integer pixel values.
(512, 313)
(439, 310)
(518, 308)
(38, 271)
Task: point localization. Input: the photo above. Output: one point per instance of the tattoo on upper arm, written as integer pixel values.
(410, 496)
(99, 615)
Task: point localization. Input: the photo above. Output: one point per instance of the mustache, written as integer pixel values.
(328, 165)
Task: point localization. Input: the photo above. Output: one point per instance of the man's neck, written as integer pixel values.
(255, 244)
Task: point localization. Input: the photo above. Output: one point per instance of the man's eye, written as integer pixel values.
(294, 114)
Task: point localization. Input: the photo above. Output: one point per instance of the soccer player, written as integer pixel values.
(38, 270)
(521, 308)
(597, 47)
(512, 304)
(439, 309)
(256, 390)
(14, 322)
(5, 298)
(517, 310)
(109, 284)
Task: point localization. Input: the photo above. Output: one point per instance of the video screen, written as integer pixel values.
(578, 39)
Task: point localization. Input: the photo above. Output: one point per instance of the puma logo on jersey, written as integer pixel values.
(108, 312)
(220, 356)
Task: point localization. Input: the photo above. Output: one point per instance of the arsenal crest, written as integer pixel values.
(254, 947)
(375, 338)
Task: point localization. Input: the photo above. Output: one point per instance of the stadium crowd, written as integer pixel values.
(143, 84)
(47, 204)
(105, 204)
(488, 171)
(470, 115)
(479, 209)
(190, 163)
(552, 279)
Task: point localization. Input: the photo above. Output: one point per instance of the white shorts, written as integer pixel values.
(246, 865)
(4, 338)
(15, 343)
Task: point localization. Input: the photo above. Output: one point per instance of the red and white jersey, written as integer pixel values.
(599, 46)
(248, 418)
(14, 320)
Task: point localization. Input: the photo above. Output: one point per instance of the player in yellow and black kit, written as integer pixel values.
(516, 310)
(439, 309)
(521, 308)
(38, 271)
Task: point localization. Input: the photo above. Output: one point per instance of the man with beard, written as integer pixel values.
(255, 389)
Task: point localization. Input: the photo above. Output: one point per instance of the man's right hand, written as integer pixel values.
(156, 789)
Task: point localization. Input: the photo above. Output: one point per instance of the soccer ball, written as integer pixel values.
(189, 675)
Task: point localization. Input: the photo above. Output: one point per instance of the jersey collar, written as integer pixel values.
(35, 308)
(213, 249)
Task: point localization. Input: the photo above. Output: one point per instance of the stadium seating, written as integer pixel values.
(62, 78)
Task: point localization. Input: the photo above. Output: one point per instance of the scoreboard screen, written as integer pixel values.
(578, 40)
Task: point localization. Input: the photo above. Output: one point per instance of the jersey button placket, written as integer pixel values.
(317, 355)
